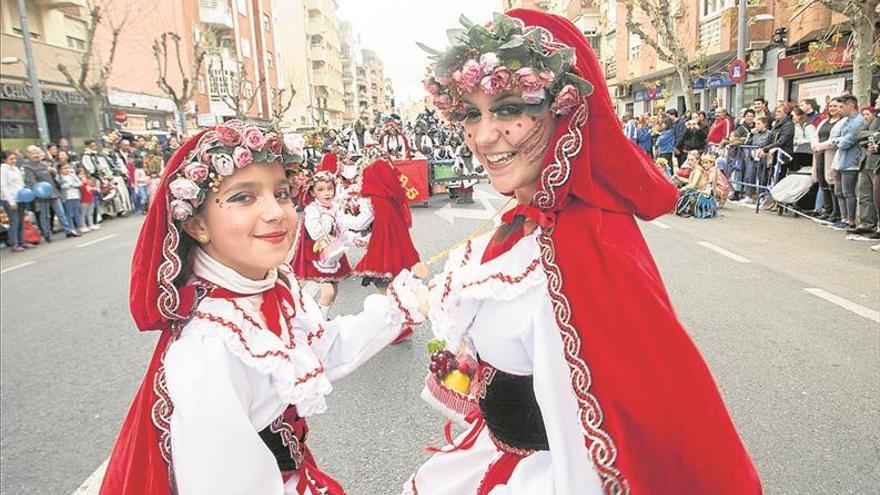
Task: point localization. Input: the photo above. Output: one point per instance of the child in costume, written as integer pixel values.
(323, 228)
(244, 356)
(586, 382)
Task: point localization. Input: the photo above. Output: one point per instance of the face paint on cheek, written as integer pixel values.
(535, 143)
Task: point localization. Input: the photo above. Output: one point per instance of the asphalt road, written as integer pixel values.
(785, 313)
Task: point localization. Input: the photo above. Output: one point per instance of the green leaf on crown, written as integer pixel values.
(428, 49)
(457, 36)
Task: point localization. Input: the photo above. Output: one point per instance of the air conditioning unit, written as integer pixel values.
(590, 33)
(755, 60)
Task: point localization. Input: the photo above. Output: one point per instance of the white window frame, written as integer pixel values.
(242, 7)
(714, 8)
(245, 48)
(611, 14)
(634, 50)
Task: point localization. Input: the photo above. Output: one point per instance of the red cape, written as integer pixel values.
(390, 249)
(654, 421)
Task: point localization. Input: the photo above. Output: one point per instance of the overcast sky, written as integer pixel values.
(391, 28)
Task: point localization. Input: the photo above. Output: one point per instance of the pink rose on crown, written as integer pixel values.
(196, 171)
(498, 81)
(567, 99)
(532, 81)
(242, 157)
(469, 76)
(253, 138)
(273, 143)
(432, 89)
(180, 210)
(183, 188)
(228, 135)
(222, 164)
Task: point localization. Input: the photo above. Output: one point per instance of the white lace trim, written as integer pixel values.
(465, 282)
(296, 373)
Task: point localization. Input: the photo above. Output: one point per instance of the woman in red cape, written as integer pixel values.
(390, 249)
(580, 350)
(244, 355)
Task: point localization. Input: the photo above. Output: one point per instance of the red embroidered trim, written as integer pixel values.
(244, 314)
(238, 332)
(414, 489)
(312, 374)
(599, 443)
(291, 344)
(289, 439)
(506, 278)
(316, 335)
(169, 299)
(407, 315)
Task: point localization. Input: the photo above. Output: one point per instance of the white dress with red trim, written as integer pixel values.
(320, 221)
(240, 392)
(502, 311)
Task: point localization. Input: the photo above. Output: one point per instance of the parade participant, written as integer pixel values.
(393, 142)
(360, 138)
(424, 144)
(244, 355)
(587, 382)
(322, 231)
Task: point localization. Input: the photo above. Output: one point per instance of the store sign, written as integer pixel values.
(206, 120)
(822, 89)
(715, 80)
(649, 94)
(23, 93)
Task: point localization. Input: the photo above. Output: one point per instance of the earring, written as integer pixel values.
(203, 238)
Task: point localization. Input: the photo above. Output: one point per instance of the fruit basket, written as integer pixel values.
(448, 384)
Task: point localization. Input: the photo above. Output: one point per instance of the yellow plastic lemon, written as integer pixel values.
(458, 381)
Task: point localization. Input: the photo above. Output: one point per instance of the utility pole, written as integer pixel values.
(741, 40)
(36, 90)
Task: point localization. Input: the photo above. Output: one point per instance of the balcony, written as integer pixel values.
(610, 68)
(216, 13)
(320, 79)
(313, 6)
(318, 53)
(317, 25)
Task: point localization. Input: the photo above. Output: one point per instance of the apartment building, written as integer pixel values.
(58, 36)
(325, 55)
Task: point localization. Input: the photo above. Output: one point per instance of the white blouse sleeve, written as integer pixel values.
(346, 342)
(215, 448)
(572, 467)
(362, 220)
(312, 221)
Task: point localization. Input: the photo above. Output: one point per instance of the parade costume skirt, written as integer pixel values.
(306, 263)
(483, 468)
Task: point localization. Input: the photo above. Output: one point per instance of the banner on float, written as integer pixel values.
(414, 179)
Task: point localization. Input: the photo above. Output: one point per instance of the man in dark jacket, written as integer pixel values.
(869, 163)
(693, 138)
(37, 170)
(782, 137)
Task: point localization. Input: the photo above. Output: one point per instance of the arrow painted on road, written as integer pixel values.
(450, 213)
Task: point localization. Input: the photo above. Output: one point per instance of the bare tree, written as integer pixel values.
(667, 42)
(862, 16)
(280, 104)
(89, 77)
(235, 90)
(161, 51)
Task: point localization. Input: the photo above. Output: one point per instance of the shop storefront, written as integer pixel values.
(800, 81)
(67, 114)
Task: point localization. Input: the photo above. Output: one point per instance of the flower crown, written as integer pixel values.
(219, 152)
(322, 176)
(502, 56)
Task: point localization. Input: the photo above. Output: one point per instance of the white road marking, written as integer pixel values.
(93, 483)
(723, 252)
(16, 267)
(846, 304)
(95, 241)
(658, 223)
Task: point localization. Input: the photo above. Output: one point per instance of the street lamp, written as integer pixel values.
(36, 90)
(742, 40)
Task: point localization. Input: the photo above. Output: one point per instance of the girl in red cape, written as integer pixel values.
(324, 223)
(244, 356)
(587, 383)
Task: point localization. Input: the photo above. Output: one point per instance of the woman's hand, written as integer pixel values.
(423, 296)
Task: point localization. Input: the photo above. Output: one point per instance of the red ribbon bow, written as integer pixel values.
(271, 306)
(545, 219)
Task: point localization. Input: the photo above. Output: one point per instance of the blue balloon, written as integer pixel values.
(25, 195)
(43, 190)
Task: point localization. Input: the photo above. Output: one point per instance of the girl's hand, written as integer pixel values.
(423, 296)
(12, 205)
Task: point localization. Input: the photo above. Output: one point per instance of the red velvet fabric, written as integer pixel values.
(136, 466)
(304, 257)
(390, 249)
(329, 163)
(655, 419)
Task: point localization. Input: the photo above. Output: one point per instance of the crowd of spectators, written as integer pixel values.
(836, 145)
(62, 190)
